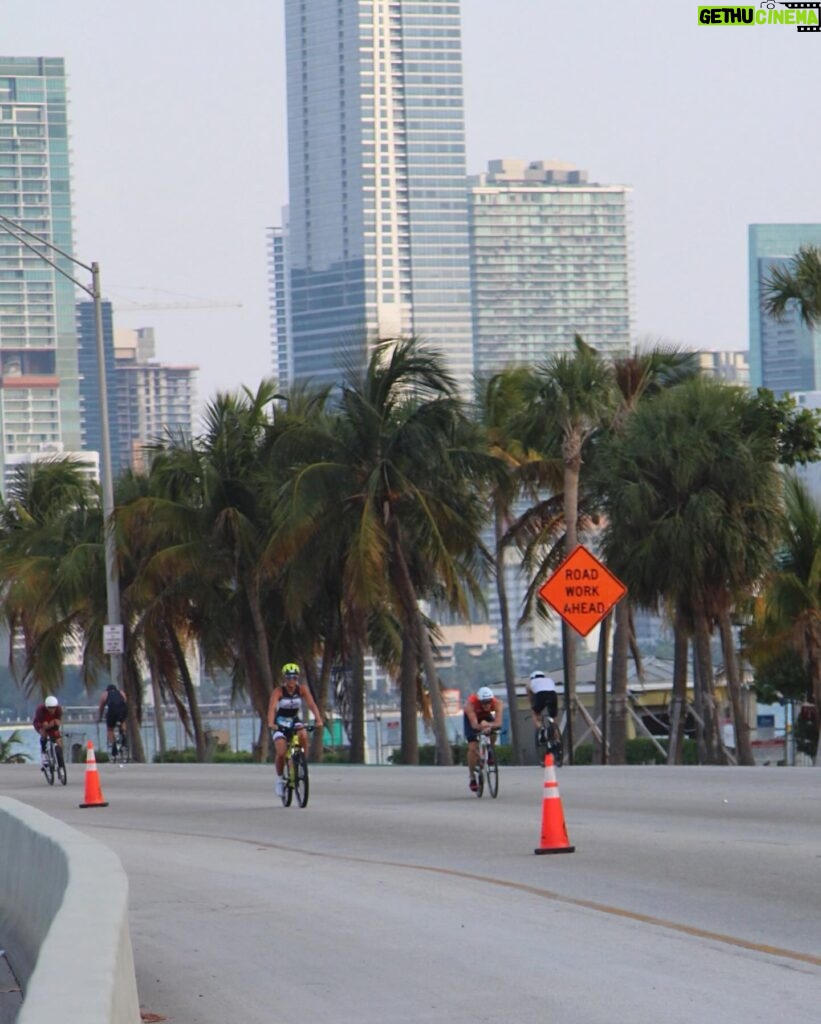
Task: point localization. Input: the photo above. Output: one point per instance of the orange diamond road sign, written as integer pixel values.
(582, 590)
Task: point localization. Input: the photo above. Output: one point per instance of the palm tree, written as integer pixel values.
(692, 508)
(395, 487)
(572, 397)
(796, 285)
(638, 376)
(208, 527)
(50, 549)
(788, 609)
(499, 401)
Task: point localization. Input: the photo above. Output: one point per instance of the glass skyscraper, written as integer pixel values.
(378, 231)
(39, 385)
(785, 355)
(551, 259)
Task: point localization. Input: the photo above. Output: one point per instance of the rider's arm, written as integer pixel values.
(470, 714)
(272, 705)
(101, 706)
(309, 700)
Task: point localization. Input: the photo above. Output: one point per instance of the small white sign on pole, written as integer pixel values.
(112, 639)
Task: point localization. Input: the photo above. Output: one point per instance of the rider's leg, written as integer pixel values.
(280, 748)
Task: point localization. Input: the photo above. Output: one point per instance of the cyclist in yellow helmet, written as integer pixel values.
(284, 715)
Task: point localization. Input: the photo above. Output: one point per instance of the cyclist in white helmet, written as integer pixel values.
(542, 690)
(47, 719)
(483, 713)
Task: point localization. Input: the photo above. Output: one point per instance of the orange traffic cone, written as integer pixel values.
(94, 794)
(554, 831)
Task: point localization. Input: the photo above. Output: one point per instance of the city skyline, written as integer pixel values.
(178, 171)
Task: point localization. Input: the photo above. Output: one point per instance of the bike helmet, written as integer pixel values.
(52, 702)
(484, 693)
(290, 668)
(538, 674)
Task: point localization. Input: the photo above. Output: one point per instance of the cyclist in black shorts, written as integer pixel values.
(114, 706)
(542, 690)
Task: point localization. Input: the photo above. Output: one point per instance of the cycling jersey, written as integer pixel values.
(51, 715)
(482, 714)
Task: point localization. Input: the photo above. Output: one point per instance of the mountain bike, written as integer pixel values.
(549, 737)
(119, 745)
(486, 766)
(54, 763)
(295, 775)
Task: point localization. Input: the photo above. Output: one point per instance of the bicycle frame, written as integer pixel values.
(486, 766)
(295, 774)
(55, 761)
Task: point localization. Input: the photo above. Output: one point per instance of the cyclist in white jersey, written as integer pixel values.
(285, 716)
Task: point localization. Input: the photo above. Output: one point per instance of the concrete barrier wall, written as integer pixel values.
(64, 920)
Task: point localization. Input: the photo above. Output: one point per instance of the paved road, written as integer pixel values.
(693, 895)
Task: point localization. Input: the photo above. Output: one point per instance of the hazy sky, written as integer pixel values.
(177, 126)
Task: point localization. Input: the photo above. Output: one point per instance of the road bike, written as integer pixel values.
(119, 745)
(549, 737)
(54, 762)
(295, 775)
(486, 767)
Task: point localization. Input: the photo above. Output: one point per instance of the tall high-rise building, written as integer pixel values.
(39, 385)
(551, 255)
(278, 305)
(378, 236)
(91, 419)
(785, 355)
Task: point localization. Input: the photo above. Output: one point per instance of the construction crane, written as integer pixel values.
(137, 307)
(176, 300)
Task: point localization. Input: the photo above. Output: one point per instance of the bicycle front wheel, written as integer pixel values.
(61, 766)
(492, 772)
(48, 771)
(287, 784)
(301, 778)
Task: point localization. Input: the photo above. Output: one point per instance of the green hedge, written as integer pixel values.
(640, 750)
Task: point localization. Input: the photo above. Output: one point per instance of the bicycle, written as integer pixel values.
(119, 745)
(54, 763)
(549, 736)
(487, 766)
(295, 775)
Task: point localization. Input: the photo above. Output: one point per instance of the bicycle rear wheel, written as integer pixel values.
(556, 747)
(61, 765)
(301, 778)
(492, 772)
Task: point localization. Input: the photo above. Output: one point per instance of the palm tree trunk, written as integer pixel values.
(410, 604)
(357, 752)
(744, 750)
(571, 452)
(408, 703)
(190, 694)
(678, 710)
(618, 695)
(159, 720)
(133, 691)
(507, 644)
(317, 745)
(602, 746)
(712, 738)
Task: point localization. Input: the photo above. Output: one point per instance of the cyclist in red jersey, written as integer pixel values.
(483, 711)
(47, 719)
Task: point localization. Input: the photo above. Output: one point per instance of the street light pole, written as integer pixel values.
(111, 571)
